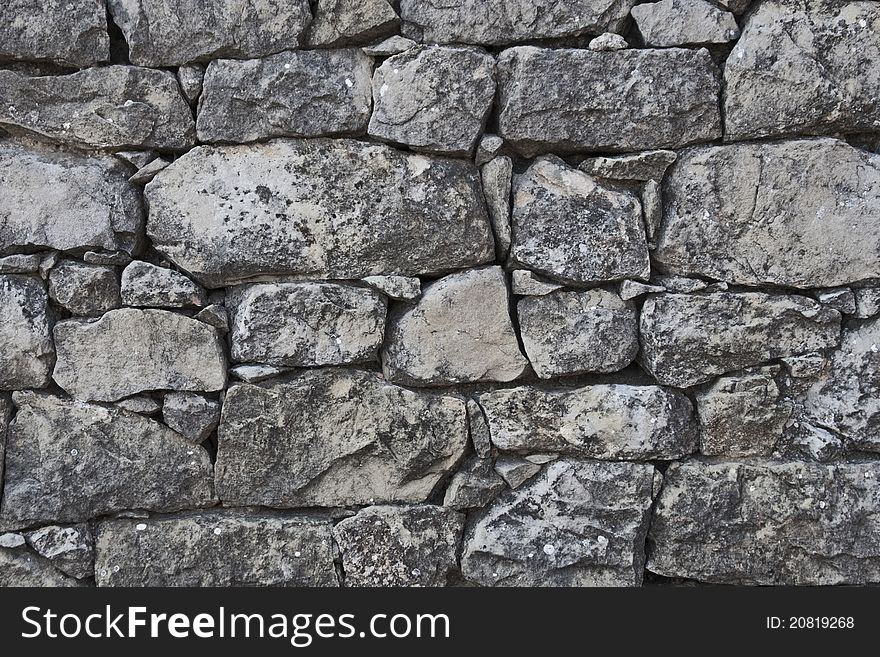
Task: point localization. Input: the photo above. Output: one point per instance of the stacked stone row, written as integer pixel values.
(494, 292)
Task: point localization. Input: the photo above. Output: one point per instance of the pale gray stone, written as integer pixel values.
(497, 177)
(816, 443)
(683, 22)
(193, 416)
(399, 546)
(768, 523)
(841, 299)
(254, 373)
(48, 260)
(804, 66)
(333, 438)
(146, 173)
(59, 31)
(109, 258)
(488, 147)
(191, 78)
(575, 228)
(635, 99)
(798, 213)
(390, 46)
(806, 366)
(499, 22)
(347, 210)
(71, 549)
(43, 204)
(305, 324)
(433, 98)
(171, 33)
(137, 159)
(25, 333)
(528, 283)
(306, 93)
(652, 210)
(214, 315)
(515, 470)
(20, 264)
(681, 284)
(479, 430)
(350, 22)
(474, 485)
(110, 107)
(128, 351)
(867, 302)
(690, 339)
(401, 288)
(742, 414)
(459, 331)
(24, 568)
(141, 404)
(603, 421)
(147, 285)
(579, 523)
(69, 461)
(84, 289)
(216, 548)
(736, 6)
(633, 289)
(568, 332)
(644, 166)
(608, 41)
(11, 540)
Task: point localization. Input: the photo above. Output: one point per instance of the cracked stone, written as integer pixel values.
(146, 285)
(84, 289)
(25, 333)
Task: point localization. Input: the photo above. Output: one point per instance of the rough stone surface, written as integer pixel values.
(433, 98)
(24, 568)
(170, 33)
(515, 470)
(683, 22)
(305, 324)
(20, 264)
(390, 46)
(254, 373)
(416, 546)
(473, 486)
(146, 173)
(214, 315)
(574, 228)
(497, 177)
(147, 285)
(191, 77)
(479, 430)
(402, 288)
(633, 289)
(635, 99)
(111, 107)
(350, 22)
(499, 22)
(867, 302)
(579, 523)
(58, 31)
(291, 94)
(215, 548)
(765, 522)
(25, 333)
(84, 289)
(525, 282)
(71, 549)
(335, 437)
(143, 404)
(798, 213)
(568, 332)
(43, 204)
(605, 421)
(648, 165)
(69, 461)
(488, 147)
(690, 339)
(196, 216)
(459, 331)
(5, 416)
(608, 41)
(805, 66)
(193, 416)
(129, 351)
(742, 415)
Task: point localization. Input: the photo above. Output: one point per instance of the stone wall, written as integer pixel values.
(408, 292)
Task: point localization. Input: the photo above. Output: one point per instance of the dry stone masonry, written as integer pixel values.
(439, 292)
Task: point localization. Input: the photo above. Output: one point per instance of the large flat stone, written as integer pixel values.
(798, 213)
(128, 351)
(805, 67)
(604, 421)
(578, 523)
(43, 205)
(579, 100)
(689, 339)
(69, 461)
(333, 438)
(110, 108)
(26, 348)
(175, 32)
(764, 522)
(499, 22)
(58, 31)
(351, 22)
(327, 208)
(215, 548)
(306, 93)
(305, 324)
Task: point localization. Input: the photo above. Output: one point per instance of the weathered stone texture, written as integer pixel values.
(26, 349)
(216, 548)
(145, 284)
(766, 522)
(579, 523)
(682, 22)
(351, 22)
(326, 208)
(69, 461)
(335, 437)
(84, 289)
(291, 94)
(20, 567)
(71, 549)
(580, 100)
